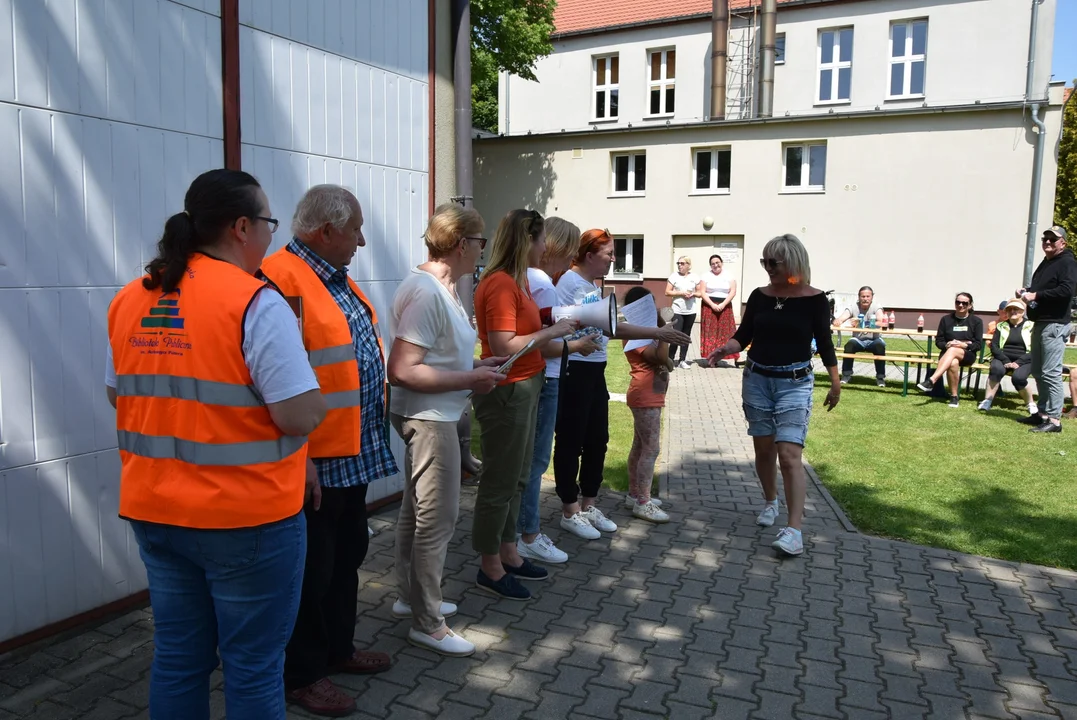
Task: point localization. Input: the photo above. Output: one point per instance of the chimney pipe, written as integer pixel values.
(719, 57)
(766, 81)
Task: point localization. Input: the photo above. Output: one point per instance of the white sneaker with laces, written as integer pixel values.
(650, 512)
(769, 515)
(542, 549)
(594, 516)
(789, 542)
(402, 610)
(578, 526)
(631, 501)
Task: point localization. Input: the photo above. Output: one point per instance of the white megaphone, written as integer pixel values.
(601, 314)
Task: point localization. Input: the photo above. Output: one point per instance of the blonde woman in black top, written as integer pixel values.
(780, 321)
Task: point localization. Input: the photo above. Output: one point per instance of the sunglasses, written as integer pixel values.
(961, 303)
(770, 263)
(482, 241)
(1049, 240)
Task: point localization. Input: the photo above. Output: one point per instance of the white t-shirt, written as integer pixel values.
(684, 283)
(427, 314)
(545, 296)
(272, 349)
(574, 290)
(717, 285)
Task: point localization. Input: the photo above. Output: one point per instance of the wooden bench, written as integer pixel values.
(905, 360)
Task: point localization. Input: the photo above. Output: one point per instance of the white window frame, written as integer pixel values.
(805, 168)
(711, 188)
(779, 40)
(633, 244)
(835, 66)
(662, 83)
(607, 88)
(631, 191)
(907, 60)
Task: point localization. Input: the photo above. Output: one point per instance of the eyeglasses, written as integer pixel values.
(770, 263)
(681, 262)
(1048, 240)
(272, 222)
(961, 303)
(482, 241)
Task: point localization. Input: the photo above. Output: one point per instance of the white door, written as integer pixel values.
(700, 248)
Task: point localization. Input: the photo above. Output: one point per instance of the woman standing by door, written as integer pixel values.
(717, 291)
(682, 287)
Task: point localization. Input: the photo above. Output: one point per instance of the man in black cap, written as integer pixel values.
(1049, 298)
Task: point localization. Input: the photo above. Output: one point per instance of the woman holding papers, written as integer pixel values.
(509, 323)
(582, 429)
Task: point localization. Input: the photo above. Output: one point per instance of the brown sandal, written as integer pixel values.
(363, 662)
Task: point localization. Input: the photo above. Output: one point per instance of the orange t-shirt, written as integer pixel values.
(502, 306)
(647, 387)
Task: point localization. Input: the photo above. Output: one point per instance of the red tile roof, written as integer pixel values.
(573, 16)
(1066, 95)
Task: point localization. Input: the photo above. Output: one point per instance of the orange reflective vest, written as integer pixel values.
(328, 340)
(197, 444)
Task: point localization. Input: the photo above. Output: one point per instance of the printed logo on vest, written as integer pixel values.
(161, 324)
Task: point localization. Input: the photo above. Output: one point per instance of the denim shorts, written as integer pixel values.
(778, 407)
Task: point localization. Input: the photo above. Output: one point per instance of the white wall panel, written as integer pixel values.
(108, 109)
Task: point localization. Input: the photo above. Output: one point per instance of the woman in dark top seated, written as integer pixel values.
(780, 321)
(1011, 347)
(959, 338)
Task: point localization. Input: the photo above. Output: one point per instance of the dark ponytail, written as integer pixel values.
(214, 201)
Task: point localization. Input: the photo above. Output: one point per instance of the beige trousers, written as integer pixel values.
(428, 513)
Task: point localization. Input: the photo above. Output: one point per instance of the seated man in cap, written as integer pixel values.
(862, 314)
(1011, 347)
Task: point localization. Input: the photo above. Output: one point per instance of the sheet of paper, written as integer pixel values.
(644, 313)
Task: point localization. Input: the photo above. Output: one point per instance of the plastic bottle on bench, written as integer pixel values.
(893, 320)
(920, 323)
(883, 324)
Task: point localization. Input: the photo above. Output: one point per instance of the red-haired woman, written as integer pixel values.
(582, 430)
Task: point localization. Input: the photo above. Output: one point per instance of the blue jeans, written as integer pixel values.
(528, 522)
(236, 590)
(778, 407)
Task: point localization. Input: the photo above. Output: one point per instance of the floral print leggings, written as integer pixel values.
(646, 436)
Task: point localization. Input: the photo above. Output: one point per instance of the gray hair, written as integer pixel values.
(323, 204)
(793, 256)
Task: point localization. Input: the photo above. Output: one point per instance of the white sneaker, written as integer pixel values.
(768, 516)
(984, 405)
(684, 365)
(578, 526)
(594, 516)
(542, 549)
(789, 542)
(452, 644)
(630, 502)
(650, 512)
(402, 610)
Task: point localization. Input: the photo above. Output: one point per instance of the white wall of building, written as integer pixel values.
(918, 206)
(105, 116)
(337, 92)
(977, 50)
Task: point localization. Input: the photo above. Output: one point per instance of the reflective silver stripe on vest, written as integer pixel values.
(332, 355)
(207, 392)
(244, 453)
(342, 399)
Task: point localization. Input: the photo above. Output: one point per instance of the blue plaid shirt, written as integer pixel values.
(374, 460)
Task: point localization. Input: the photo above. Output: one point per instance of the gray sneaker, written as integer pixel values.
(768, 516)
(789, 542)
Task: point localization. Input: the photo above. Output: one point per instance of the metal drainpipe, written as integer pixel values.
(769, 22)
(461, 26)
(719, 57)
(1037, 163)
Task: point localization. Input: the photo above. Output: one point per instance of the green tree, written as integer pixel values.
(1066, 190)
(505, 35)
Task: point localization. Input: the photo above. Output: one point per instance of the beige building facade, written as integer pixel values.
(900, 149)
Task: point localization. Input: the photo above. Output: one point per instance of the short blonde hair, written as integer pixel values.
(686, 260)
(512, 244)
(449, 223)
(562, 239)
(793, 256)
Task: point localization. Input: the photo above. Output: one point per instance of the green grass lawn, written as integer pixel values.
(914, 469)
(616, 472)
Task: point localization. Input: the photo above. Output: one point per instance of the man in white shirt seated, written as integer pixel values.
(855, 315)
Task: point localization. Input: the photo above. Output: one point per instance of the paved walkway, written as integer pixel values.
(694, 619)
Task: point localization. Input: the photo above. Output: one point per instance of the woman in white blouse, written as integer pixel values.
(682, 287)
(433, 373)
(717, 291)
